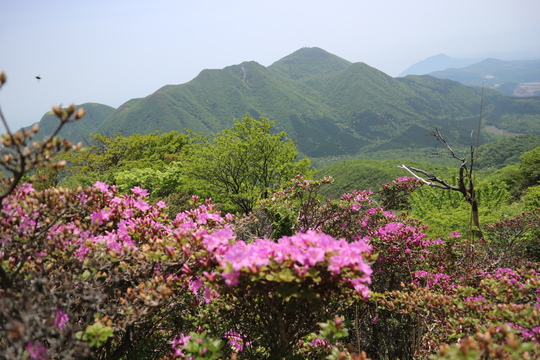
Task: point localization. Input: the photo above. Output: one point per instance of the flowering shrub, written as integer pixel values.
(129, 264)
(93, 273)
(290, 285)
(395, 194)
(125, 261)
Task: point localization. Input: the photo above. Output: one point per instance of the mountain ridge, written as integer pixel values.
(329, 106)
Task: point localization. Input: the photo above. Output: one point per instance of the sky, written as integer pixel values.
(112, 51)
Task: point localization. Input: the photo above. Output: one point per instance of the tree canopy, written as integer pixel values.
(246, 163)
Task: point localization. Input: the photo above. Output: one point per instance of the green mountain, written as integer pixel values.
(79, 130)
(508, 77)
(331, 107)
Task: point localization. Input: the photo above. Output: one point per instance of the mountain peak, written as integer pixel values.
(309, 61)
(436, 63)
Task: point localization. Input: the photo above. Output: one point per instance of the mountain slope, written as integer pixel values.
(76, 131)
(329, 106)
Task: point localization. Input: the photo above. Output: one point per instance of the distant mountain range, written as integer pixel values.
(436, 63)
(328, 105)
(518, 77)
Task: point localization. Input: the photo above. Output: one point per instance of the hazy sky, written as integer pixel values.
(111, 51)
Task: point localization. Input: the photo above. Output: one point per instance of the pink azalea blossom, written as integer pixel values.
(138, 191)
(61, 319)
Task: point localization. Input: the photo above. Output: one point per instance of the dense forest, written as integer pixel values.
(174, 245)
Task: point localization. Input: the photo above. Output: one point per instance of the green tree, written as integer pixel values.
(105, 156)
(246, 163)
(530, 167)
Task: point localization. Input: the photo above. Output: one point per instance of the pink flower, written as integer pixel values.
(100, 216)
(231, 278)
(26, 188)
(61, 319)
(104, 188)
(141, 205)
(36, 351)
(218, 239)
(138, 191)
(195, 285)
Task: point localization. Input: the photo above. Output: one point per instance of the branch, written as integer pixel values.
(441, 139)
(433, 180)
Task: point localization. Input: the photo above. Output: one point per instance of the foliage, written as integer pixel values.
(105, 156)
(245, 163)
(531, 198)
(515, 238)
(497, 154)
(530, 167)
(446, 211)
(366, 174)
(215, 283)
(112, 246)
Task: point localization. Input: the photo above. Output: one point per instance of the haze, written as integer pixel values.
(111, 51)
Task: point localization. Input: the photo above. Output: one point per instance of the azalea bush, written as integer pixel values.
(104, 271)
(107, 263)
(409, 265)
(94, 273)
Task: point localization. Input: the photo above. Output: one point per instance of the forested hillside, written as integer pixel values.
(332, 108)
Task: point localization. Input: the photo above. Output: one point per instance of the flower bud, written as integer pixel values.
(80, 113)
(57, 111)
(70, 110)
(2, 78)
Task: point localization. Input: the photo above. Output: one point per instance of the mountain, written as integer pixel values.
(79, 130)
(331, 107)
(434, 63)
(308, 62)
(519, 77)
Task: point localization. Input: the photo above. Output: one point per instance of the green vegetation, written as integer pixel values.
(106, 157)
(363, 174)
(245, 164)
(330, 107)
(500, 153)
(76, 131)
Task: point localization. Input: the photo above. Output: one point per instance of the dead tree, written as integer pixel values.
(465, 181)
